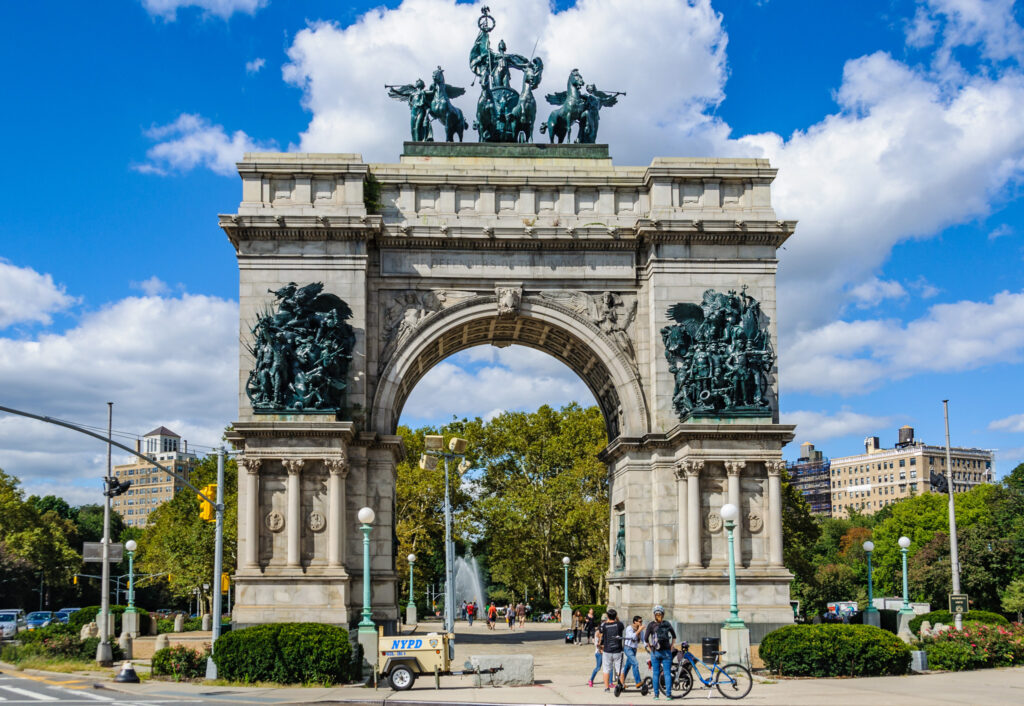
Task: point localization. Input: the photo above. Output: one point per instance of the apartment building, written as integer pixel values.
(879, 477)
(151, 487)
(811, 475)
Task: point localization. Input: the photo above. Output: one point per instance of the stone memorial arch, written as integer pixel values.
(655, 284)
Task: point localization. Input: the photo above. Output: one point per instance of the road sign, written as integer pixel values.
(93, 551)
(958, 603)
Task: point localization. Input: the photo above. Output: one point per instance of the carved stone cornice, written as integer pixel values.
(775, 467)
(293, 465)
(735, 468)
(337, 466)
(251, 464)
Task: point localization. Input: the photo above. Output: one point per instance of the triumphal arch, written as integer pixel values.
(654, 283)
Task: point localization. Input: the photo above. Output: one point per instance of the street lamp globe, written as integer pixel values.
(565, 560)
(411, 558)
(904, 542)
(130, 545)
(869, 546)
(730, 512)
(367, 515)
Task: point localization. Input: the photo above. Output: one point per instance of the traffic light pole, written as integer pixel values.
(218, 564)
(104, 654)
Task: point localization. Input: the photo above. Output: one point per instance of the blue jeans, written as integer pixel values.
(597, 669)
(631, 660)
(661, 663)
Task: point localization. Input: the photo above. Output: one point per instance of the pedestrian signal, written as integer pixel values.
(225, 583)
(206, 510)
(75, 580)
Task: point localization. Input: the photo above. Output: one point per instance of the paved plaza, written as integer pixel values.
(561, 673)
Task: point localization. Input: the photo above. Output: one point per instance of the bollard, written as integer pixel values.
(162, 642)
(207, 622)
(152, 624)
(125, 643)
(127, 674)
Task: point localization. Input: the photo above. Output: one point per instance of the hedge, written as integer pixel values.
(180, 662)
(80, 618)
(834, 651)
(286, 653)
(975, 648)
(947, 618)
(598, 610)
(58, 643)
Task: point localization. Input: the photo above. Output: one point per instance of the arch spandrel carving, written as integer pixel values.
(609, 371)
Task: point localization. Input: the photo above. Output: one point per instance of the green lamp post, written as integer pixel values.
(366, 517)
(729, 514)
(870, 613)
(566, 608)
(904, 546)
(130, 546)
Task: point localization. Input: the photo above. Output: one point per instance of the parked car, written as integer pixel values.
(39, 619)
(64, 614)
(19, 618)
(8, 626)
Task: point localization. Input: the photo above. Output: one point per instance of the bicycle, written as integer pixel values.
(732, 680)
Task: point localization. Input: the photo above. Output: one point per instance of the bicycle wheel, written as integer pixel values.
(734, 681)
(683, 683)
(646, 686)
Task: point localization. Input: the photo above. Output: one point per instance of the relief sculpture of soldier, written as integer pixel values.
(720, 355)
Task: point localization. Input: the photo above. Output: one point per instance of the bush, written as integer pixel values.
(598, 610)
(975, 648)
(947, 618)
(834, 651)
(31, 637)
(86, 615)
(286, 653)
(58, 646)
(179, 662)
(164, 626)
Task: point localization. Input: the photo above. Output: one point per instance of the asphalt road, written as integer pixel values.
(30, 689)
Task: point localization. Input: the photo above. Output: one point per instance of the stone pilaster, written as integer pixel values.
(693, 522)
(338, 469)
(251, 559)
(682, 527)
(293, 521)
(775, 468)
(733, 470)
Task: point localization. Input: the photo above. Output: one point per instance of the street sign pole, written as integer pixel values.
(954, 551)
(104, 655)
(218, 564)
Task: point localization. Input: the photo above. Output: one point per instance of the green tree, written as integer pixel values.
(800, 530)
(1013, 598)
(179, 545)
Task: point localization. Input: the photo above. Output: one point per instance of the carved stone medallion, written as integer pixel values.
(755, 522)
(275, 521)
(714, 522)
(509, 299)
(317, 521)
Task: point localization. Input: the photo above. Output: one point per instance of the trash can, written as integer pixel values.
(708, 646)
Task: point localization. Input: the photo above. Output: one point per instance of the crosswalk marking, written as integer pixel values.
(83, 694)
(28, 694)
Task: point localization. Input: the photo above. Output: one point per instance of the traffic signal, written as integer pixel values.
(112, 487)
(75, 580)
(225, 583)
(206, 510)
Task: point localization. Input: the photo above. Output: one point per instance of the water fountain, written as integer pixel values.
(468, 585)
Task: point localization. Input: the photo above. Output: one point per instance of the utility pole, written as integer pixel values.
(954, 552)
(218, 564)
(104, 655)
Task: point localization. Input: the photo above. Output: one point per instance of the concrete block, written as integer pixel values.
(872, 618)
(125, 643)
(179, 623)
(516, 670)
(162, 641)
(736, 643)
(918, 661)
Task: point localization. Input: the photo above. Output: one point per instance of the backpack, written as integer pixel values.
(612, 637)
(663, 636)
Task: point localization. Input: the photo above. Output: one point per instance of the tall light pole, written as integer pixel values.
(104, 654)
(729, 514)
(218, 564)
(434, 445)
(954, 551)
(366, 517)
(130, 546)
(871, 615)
(410, 608)
(904, 546)
(566, 608)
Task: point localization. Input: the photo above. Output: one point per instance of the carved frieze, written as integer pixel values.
(275, 521)
(405, 310)
(611, 312)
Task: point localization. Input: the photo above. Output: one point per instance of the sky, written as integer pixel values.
(895, 126)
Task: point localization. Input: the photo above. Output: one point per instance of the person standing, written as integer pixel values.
(660, 637)
(492, 615)
(577, 627)
(588, 625)
(462, 610)
(611, 647)
(510, 616)
(470, 613)
(598, 658)
(521, 614)
(630, 643)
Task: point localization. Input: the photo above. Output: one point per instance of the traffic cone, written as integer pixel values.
(127, 674)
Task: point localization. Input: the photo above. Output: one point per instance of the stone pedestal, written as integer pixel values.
(125, 643)
(179, 623)
(302, 481)
(130, 623)
(207, 622)
(736, 643)
(872, 617)
(368, 639)
(410, 614)
(903, 626)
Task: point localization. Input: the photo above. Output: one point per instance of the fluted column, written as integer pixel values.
(293, 522)
(693, 522)
(775, 511)
(251, 559)
(733, 469)
(338, 469)
(682, 529)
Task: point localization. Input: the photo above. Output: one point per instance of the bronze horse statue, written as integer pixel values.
(442, 109)
(525, 112)
(570, 109)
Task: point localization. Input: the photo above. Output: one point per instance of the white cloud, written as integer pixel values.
(874, 291)
(28, 296)
(990, 25)
(254, 66)
(1000, 231)
(168, 9)
(816, 427)
(924, 288)
(162, 361)
(470, 383)
(152, 287)
(681, 46)
(1014, 423)
(852, 357)
(192, 141)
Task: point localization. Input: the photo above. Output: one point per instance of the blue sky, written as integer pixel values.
(895, 126)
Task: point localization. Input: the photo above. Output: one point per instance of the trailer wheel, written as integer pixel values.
(401, 678)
